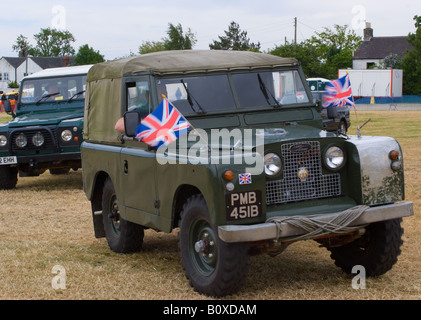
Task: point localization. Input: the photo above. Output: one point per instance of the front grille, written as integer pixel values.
(49, 139)
(304, 157)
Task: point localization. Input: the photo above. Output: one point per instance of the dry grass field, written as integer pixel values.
(46, 221)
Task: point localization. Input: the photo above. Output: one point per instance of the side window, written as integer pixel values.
(137, 94)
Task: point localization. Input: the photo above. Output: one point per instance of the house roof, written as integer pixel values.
(380, 47)
(14, 61)
(50, 62)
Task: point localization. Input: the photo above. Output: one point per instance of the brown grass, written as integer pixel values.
(46, 221)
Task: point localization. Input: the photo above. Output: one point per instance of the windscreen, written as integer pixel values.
(47, 90)
(245, 90)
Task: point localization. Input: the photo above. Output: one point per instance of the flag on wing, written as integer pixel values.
(163, 126)
(338, 93)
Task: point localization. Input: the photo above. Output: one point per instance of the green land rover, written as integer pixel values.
(46, 130)
(255, 173)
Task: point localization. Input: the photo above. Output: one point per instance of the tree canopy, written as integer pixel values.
(234, 39)
(411, 62)
(87, 55)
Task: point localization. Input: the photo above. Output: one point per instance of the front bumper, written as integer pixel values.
(285, 230)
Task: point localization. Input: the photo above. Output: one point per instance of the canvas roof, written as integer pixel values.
(186, 61)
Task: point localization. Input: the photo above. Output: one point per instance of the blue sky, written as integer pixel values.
(116, 28)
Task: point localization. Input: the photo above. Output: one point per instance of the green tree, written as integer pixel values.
(177, 40)
(304, 52)
(53, 43)
(335, 49)
(151, 46)
(22, 45)
(87, 55)
(412, 63)
(234, 39)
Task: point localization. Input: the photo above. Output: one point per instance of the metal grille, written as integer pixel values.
(303, 158)
(49, 139)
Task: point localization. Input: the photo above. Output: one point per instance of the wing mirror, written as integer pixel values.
(131, 121)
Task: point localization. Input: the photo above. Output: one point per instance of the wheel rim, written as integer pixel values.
(114, 216)
(203, 249)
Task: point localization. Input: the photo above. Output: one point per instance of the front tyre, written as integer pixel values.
(8, 177)
(213, 267)
(377, 250)
(123, 236)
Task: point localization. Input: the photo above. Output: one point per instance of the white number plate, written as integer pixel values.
(8, 160)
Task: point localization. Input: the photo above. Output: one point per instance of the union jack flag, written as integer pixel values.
(338, 93)
(244, 178)
(163, 126)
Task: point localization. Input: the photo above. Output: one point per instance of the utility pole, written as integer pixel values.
(295, 31)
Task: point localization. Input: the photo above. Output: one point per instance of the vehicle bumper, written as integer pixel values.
(285, 230)
(50, 160)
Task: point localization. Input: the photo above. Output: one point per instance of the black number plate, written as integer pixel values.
(244, 205)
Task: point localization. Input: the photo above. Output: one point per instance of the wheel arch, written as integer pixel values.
(96, 204)
(181, 195)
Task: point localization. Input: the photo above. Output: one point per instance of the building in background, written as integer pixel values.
(13, 69)
(373, 50)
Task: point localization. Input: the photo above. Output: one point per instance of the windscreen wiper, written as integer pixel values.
(189, 99)
(46, 97)
(75, 95)
(265, 91)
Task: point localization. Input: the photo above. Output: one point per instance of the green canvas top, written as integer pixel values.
(186, 61)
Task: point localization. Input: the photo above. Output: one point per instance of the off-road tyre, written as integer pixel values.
(8, 177)
(377, 250)
(122, 236)
(219, 270)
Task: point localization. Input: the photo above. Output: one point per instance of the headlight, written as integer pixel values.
(66, 135)
(38, 139)
(21, 141)
(273, 164)
(334, 158)
(3, 140)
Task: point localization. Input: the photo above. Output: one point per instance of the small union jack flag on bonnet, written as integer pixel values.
(338, 93)
(163, 126)
(244, 178)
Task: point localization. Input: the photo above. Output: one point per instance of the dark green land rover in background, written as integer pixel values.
(46, 130)
(255, 173)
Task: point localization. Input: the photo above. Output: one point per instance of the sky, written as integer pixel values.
(118, 28)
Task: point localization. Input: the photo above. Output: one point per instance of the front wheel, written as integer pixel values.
(8, 177)
(123, 236)
(377, 250)
(213, 267)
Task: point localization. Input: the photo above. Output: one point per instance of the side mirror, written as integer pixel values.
(131, 121)
(332, 112)
(7, 106)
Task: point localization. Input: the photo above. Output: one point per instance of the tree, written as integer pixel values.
(234, 39)
(22, 46)
(53, 43)
(305, 53)
(151, 46)
(87, 55)
(176, 39)
(412, 63)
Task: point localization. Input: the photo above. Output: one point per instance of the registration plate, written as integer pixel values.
(244, 205)
(8, 160)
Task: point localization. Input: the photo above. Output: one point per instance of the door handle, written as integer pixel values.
(126, 167)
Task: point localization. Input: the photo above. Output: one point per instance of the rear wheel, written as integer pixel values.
(213, 267)
(8, 177)
(377, 250)
(123, 236)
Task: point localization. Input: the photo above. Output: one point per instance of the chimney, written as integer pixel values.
(66, 61)
(368, 32)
